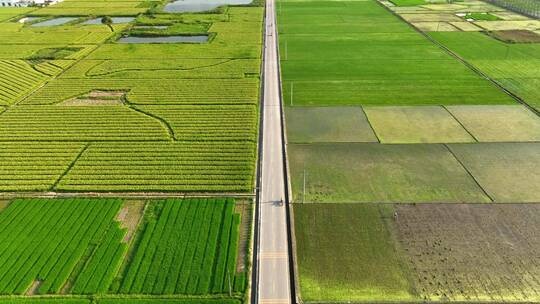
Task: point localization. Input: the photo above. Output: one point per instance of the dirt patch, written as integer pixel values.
(472, 252)
(34, 288)
(516, 36)
(244, 209)
(4, 204)
(97, 98)
(129, 217)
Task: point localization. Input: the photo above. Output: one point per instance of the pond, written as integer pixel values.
(181, 6)
(55, 21)
(165, 39)
(28, 19)
(115, 20)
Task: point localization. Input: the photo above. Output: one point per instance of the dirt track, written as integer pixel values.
(472, 252)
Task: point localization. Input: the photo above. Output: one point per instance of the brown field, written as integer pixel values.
(516, 36)
(129, 216)
(472, 252)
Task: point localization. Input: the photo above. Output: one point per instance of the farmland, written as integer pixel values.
(413, 150)
(354, 52)
(179, 117)
(429, 252)
(78, 246)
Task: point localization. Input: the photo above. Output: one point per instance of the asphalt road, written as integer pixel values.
(274, 286)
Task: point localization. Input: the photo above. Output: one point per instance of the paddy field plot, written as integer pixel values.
(472, 252)
(507, 171)
(327, 124)
(515, 66)
(509, 123)
(368, 172)
(427, 124)
(356, 52)
(418, 252)
(345, 253)
(78, 246)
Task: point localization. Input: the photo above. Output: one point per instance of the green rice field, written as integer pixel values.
(107, 246)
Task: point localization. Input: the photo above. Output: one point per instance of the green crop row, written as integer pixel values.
(182, 251)
(44, 239)
(99, 272)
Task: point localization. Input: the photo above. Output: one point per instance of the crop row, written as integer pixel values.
(162, 91)
(99, 272)
(164, 68)
(34, 166)
(44, 239)
(173, 166)
(17, 78)
(190, 248)
(179, 166)
(79, 123)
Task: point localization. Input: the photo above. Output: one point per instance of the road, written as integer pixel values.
(273, 282)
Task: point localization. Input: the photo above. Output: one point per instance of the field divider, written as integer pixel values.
(165, 124)
(469, 173)
(461, 124)
(70, 166)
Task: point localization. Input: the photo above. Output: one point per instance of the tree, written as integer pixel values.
(108, 22)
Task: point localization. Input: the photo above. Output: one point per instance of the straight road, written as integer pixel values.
(273, 260)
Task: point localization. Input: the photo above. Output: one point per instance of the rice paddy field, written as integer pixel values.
(413, 132)
(80, 112)
(418, 252)
(136, 248)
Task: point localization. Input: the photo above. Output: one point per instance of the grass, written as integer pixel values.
(507, 171)
(338, 173)
(499, 123)
(357, 53)
(428, 124)
(327, 124)
(346, 253)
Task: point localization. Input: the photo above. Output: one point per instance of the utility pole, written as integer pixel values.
(286, 50)
(292, 91)
(304, 187)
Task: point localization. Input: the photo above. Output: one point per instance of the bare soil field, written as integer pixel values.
(472, 252)
(130, 216)
(516, 36)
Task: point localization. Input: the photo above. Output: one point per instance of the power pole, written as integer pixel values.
(292, 92)
(304, 187)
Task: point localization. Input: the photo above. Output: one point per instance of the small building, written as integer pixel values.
(14, 3)
(25, 3)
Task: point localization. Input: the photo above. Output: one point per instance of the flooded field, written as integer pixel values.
(181, 6)
(55, 21)
(115, 20)
(165, 39)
